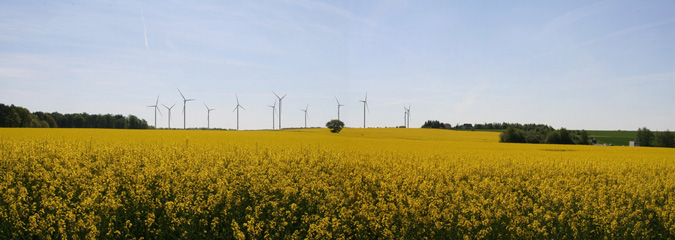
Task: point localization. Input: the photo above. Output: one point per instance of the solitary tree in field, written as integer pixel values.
(335, 125)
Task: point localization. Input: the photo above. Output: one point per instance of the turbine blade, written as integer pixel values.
(172, 106)
(275, 94)
(157, 102)
(338, 101)
(284, 96)
(190, 99)
(165, 106)
(207, 107)
(160, 112)
(242, 107)
(235, 108)
(181, 94)
(237, 96)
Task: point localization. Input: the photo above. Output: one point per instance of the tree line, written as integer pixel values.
(648, 138)
(15, 116)
(521, 133)
(483, 126)
(543, 134)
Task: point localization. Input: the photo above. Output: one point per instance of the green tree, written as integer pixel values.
(534, 137)
(553, 137)
(120, 122)
(50, 120)
(13, 119)
(664, 139)
(37, 123)
(108, 121)
(134, 122)
(433, 124)
(335, 125)
(512, 135)
(583, 137)
(78, 121)
(565, 136)
(26, 117)
(644, 136)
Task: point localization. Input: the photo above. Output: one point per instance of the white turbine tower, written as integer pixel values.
(305, 110)
(405, 117)
(365, 106)
(274, 112)
(339, 105)
(237, 109)
(280, 98)
(185, 100)
(208, 116)
(156, 110)
(408, 113)
(169, 110)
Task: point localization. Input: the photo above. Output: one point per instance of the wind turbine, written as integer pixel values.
(305, 110)
(280, 98)
(274, 112)
(237, 109)
(156, 110)
(339, 105)
(405, 116)
(169, 109)
(184, 103)
(408, 113)
(365, 106)
(208, 116)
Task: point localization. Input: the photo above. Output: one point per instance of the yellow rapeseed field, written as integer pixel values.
(312, 184)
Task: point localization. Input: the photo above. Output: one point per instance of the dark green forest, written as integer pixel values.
(540, 133)
(15, 116)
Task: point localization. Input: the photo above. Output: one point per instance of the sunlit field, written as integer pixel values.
(297, 184)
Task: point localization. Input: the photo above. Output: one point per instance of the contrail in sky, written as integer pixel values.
(145, 31)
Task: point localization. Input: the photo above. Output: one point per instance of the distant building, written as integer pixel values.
(634, 144)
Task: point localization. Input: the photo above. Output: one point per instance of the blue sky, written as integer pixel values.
(574, 64)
